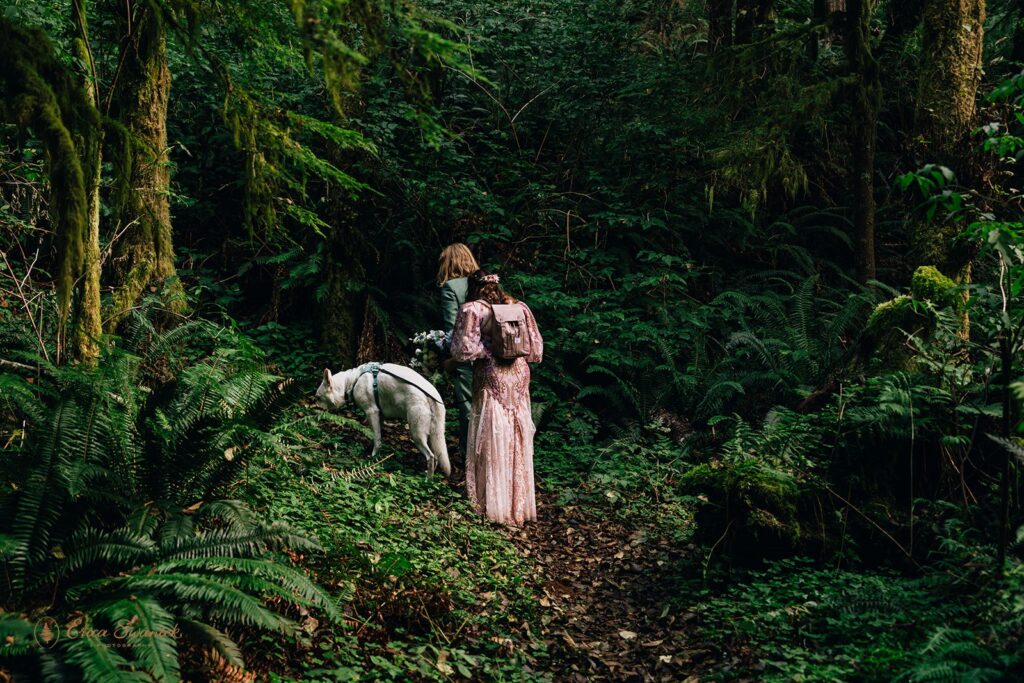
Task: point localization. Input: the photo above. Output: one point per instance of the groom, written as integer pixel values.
(455, 265)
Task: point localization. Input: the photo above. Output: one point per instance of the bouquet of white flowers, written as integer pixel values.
(431, 348)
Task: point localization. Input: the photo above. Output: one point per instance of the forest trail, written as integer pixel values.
(605, 591)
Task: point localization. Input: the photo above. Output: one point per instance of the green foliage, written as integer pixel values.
(435, 592)
(928, 284)
(756, 491)
(117, 518)
(810, 623)
(678, 217)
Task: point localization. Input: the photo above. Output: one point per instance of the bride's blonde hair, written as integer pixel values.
(456, 261)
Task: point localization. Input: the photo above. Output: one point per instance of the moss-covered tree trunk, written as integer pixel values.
(866, 99)
(39, 92)
(719, 24)
(143, 254)
(948, 78)
(950, 70)
(88, 315)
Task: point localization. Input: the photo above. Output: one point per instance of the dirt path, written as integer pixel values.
(605, 597)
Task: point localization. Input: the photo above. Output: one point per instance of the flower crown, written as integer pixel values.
(492, 277)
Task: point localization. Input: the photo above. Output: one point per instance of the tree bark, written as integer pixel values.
(143, 252)
(950, 71)
(948, 78)
(88, 316)
(719, 24)
(866, 94)
(340, 312)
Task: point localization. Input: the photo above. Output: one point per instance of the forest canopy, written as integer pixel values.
(775, 249)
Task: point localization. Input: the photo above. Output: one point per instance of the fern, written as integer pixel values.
(118, 514)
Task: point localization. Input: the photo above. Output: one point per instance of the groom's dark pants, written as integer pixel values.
(464, 402)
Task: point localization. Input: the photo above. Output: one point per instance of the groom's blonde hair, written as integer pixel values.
(456, 261)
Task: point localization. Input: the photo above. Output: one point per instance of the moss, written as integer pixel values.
(143, 257)
(885, 333)
(928, 284)
(38, 92)
(886, 314)
(750, 502)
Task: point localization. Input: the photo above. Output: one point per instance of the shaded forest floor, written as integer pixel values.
(608, 585)
(608, 591)
(585, 594)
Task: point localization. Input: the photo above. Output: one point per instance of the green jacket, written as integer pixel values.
(453, 295)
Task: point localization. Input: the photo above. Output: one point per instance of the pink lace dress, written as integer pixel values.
(499, 456)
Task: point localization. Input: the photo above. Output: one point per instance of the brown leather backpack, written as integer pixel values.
(509, 337)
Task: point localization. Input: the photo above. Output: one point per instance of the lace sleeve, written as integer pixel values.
(466, 343)
(536, 354)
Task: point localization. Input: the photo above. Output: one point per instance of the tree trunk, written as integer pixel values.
(143, 253)
(340, 309)
(950, 70)
(948, 77)
(866, 100)
(719, 24)
(88, 319)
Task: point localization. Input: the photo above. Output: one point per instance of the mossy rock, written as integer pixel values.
(885, 333)
(754, 508)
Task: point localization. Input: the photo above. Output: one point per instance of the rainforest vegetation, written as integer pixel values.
(776, 251)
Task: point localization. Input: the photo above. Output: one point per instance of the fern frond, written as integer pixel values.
(148, 628)
(213, 596)
(100, 663)
(252, 575)
(216, 639)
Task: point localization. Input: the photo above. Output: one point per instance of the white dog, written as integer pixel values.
(388, 391)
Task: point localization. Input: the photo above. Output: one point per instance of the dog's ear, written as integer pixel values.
(327, 376)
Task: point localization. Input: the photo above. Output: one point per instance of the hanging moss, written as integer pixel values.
(37, 92)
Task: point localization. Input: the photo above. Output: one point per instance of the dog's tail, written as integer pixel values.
(437, 443)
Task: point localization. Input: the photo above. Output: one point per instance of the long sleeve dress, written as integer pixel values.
(499, 457)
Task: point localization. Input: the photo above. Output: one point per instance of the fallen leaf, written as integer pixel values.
(627, 635)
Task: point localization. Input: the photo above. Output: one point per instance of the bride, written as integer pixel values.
(499, 456)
